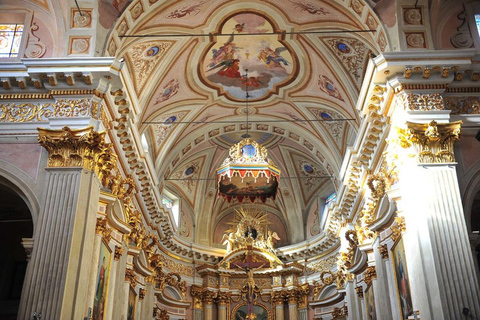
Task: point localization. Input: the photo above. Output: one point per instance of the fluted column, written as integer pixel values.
(112, 282)
(380, 285)
(354, 309)
(149, 300)
(292, 306)
(387, 267)
(278, 302)
(64, 233)
(443, 280)
(130, 281)
(223, 300)
(208, 297)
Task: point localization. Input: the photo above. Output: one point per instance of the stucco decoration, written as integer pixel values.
(143, 58)
(270, 61)
(352, 54)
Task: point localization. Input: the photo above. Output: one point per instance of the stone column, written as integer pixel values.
(292, 305)
(354, 309)
(387, 266)
(64, 234)
(196, 293)
(140, 304)
(223, 301)
(208, 297)
(380, 284)
(440, 266)
(149, 299)
(130, 281)
(278, 302)
(113, 280)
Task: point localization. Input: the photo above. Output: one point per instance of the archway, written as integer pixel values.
(16, 225)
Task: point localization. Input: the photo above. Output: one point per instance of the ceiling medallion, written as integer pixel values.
(248, 173)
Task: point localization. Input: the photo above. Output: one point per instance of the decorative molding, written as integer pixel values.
(141, 294)
(422, 102)
(463, 105)
(102, 229)
(131, 277)
(398, 228)
(40, 112)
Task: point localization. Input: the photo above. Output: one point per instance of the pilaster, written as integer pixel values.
(64, 236)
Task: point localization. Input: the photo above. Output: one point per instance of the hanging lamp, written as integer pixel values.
(247, 172)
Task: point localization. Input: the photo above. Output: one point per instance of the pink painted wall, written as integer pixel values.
(22, 155)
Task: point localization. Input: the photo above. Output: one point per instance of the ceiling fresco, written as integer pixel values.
(302, 69)
(246, 60)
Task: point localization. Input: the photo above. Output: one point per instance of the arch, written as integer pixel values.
(17, 180)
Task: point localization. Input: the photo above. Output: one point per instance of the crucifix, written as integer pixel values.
(250, 287)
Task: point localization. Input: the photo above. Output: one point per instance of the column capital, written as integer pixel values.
(102, 229)
(383, 251)
(431, 142)
(359, 291)
(277, 298)
(141, 294)
(370, 274)
(131, 277)
(118, 253)
(223, 298)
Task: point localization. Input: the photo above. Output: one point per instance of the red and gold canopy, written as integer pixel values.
(248, 173)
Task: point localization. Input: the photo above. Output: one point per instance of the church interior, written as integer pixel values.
(239, 159)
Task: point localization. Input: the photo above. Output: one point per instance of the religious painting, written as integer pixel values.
(243, 45)
(259, 311)
(103, 271)
(132, 303)
(401, 279)
(370, 303)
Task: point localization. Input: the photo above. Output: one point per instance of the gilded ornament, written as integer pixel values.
(383, 251)
(370, 274)
(131, 277)
(39, 112)
(141, 294)
(398, 228)
(433, 141)
(118, 253)
(463, 105)
(359, 291)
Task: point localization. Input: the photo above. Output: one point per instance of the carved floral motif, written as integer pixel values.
(29, 112)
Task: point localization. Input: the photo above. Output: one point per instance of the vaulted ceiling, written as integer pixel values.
(190, 84)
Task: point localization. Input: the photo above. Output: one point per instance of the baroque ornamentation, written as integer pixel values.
(383, 251)
(463, 105)
(326, 85)
(118, 253)
(335, 128)
(322, 265)
(144, 57)
(35, 48)
(423, 102)
(359, 291)
(433, 141)
(412, 16)
(370, 274)
(102, 229)
(398, 228)
(36, 112)
(462, 38)
(131, 277)
(415, 40)
(352, 53)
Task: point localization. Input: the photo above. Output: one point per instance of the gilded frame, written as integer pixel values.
(101, 297)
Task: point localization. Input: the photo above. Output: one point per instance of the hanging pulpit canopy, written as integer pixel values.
(248, 173)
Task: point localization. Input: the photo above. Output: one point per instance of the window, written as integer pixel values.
(477, 21)
(331, 198)
(167, 202)
(10, 39)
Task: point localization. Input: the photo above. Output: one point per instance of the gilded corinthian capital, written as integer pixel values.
(433, 141)
(80, 148)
